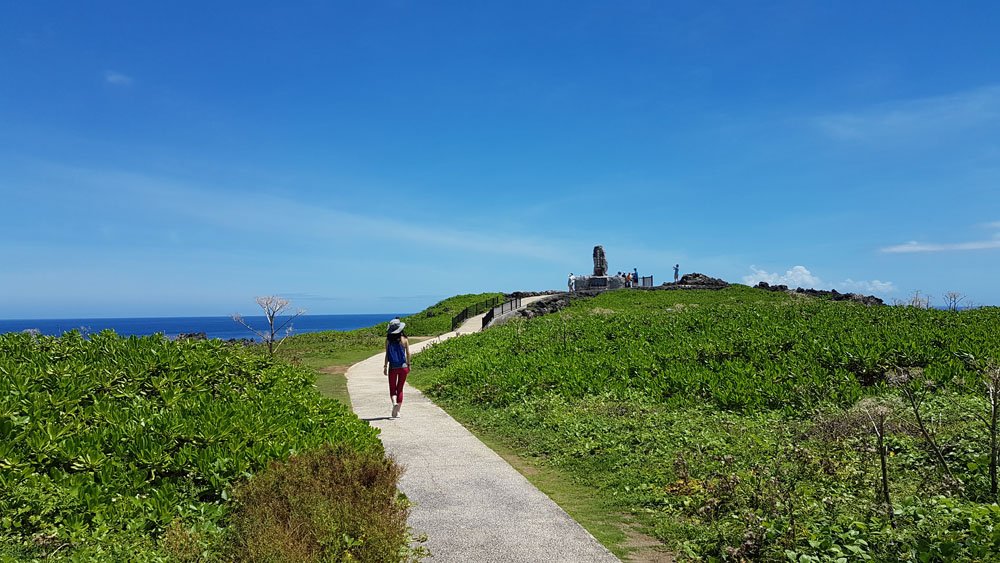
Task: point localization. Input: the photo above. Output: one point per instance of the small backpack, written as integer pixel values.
(397, 354)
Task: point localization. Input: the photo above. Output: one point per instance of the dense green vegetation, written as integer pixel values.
(738, 424)
(130, 448)
(145, 449)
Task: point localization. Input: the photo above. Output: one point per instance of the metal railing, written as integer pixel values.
(473, 310)
(504, 307)
(646, 281)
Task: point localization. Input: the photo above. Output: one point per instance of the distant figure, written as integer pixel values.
(397, 362)
(677, 269)
(571, 282)
(635, 278)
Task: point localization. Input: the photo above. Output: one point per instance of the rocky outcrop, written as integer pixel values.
(832, 295)
(202, 336)
(695, 281)
(192, 336)
(552, 304)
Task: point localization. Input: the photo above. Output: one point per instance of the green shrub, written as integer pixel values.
(107, 442)
(331, 504)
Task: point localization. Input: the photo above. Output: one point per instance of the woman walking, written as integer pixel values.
(397, 362)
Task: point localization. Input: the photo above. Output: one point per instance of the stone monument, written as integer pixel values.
(600, 261)
(600, 280)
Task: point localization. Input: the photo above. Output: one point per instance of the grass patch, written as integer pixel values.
(331, 382)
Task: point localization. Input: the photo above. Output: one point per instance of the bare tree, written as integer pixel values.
(952, 299)
(879, 413)
(915, 387)
(990, 377)
(272, 306)
(919, 301)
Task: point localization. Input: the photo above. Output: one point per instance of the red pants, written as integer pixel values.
(397, 377)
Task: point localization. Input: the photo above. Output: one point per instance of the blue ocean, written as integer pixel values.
(224, 328)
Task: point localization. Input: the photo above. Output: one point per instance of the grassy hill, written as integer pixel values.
(738, 424)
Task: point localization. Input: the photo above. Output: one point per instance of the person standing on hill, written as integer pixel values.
(397, 362)
(677, 269)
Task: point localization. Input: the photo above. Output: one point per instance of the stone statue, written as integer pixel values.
(600, 262)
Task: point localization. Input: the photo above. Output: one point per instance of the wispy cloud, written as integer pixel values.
(800, 276)
(914, 246)
(257, 212)
(983, 244)
(920, 118)
(117, 78)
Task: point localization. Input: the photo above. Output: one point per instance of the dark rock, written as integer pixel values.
(832, 294)
(695, 281)
(192, 336)
(553, 304)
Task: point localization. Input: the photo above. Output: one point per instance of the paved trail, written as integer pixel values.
(472, 504)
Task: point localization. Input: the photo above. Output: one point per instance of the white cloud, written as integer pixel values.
(117, 78)
(873, 286)
(922, 118)
(800, 276)
(914, 246)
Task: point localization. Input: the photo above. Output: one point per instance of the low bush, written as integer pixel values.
(118, 448)
(331, 504)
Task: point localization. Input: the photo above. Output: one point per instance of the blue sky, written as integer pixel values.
(181, 158)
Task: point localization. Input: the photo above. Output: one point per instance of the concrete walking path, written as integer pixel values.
(473, 506)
